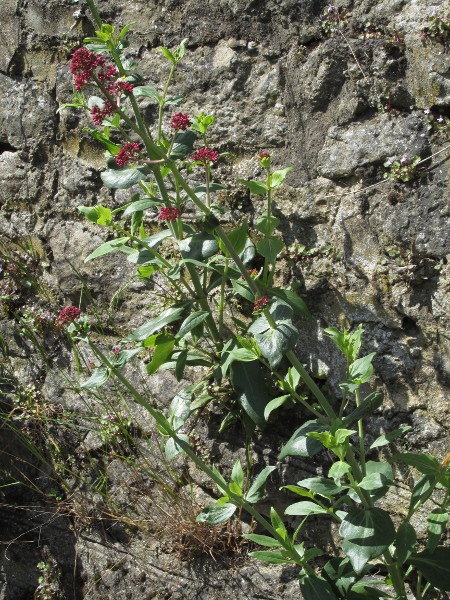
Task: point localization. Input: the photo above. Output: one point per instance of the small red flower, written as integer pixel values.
(252, 272)
(264, 155)
(168, 213)
(261, 304)
(99, 114)
(180, 122)
(110, 73)
(206, 156)
(128, 152)
(82, 66)
(69, 314)
(116, 350)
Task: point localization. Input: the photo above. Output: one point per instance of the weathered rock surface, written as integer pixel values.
(334, 108)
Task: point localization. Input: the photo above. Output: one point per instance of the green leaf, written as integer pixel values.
(148, 92)
(140, 205)
(200, 246)
(180, 407)
(247, 380)
(105, 142)
(322, 486)
(106, 248)
(435, 567)
(387, 438)
(167, 53)
(262, 540)
(366, 534)
(425, 463)
(359, 591)
(180, 364)
(163, 349)
(421, 490)
(243, 355)
(265, 223)
(305, 508)
(258, 488)
(255, 187)
(173, 446)
(272, 557)
(314, 587)
(125, 178)
(302, 445)
(379, 477)
(243, 290)
(277, 522)
(270, 248)
(214, 514)
(274, 404)
(184, 144)
(277, 178)
(168, 316)
(275, 342)
(297, 304)
(124, 31)
(192, 321)
(368, 405)
(237, 474)
(338, 470)
(405, 541)
(436, 525)
(299, 491)
(96, 214)
(124, 357)
(237, 237)
(97, 379)
(213, 187)
(361, 369)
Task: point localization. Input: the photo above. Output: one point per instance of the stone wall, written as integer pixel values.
(335, 108)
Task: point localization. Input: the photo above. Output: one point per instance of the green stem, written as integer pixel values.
(362, 450)
(162, 103)
(222, 298)
(208, 200)
(310, 384)
(165, 426)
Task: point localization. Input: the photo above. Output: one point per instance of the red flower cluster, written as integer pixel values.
(252, 272)
(99, 114)
(117, 88)
(110, 73)
(261, 304)
(180, 122)
(206, 156)
(264, 155)
(129, 151)
(168, 213)
(69, 314)
(82, 66)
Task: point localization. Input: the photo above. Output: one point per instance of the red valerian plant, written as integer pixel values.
(206, 156)
(83, 64)
(128, 152)
(69, 314)
(168, 213)
(180, 122)
(261, 304)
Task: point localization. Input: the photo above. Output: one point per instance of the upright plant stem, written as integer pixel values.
(362, 451)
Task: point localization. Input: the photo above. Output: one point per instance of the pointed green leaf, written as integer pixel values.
(255, 187)
(237, 474)
(270, 248)
(214, 514)
(302, 445)
(435, 567)
(199, 246)
(106, 248)
(248, 382)
(305, 508)
(192, 321)
(258, 488)
(97, 379)
(436, 525)
(425, 463)
(168, 316)
(184, 144)
(262, 540)
(272, 557)
(405, 542)
(314, 587)
(125, 178)
(387, 438)
(297, 304)
(277, 178)
(274, 343)
(366, 534)
(147, 92)
(274, 404)
(163, 349)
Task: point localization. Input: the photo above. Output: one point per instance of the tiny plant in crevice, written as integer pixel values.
(404, 169)
(333, 19)
(438, 29)
(436, 121)
(253, 352)
(49, 581)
